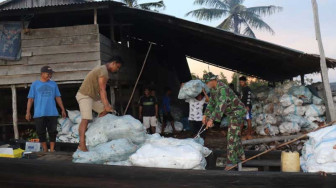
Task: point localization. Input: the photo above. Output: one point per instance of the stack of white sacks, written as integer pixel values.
(114, 140)
(318, 153)
(287, 109)
(68, 128)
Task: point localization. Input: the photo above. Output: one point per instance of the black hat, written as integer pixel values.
(47, 69)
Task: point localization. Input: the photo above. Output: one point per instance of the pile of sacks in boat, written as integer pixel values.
(68, 127)
(318, 153)
(287, 109)
(114, 140)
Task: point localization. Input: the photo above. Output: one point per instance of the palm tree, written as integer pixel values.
(240, 19)
(147, 6)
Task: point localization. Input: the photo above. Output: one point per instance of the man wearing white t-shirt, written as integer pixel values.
(196, 111)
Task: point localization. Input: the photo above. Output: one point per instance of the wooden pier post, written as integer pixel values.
(95, 17)
(331, 113)
(15, 117)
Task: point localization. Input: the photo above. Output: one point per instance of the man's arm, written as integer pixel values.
(220, 106)
(207, 99)
(102, 81)
(29, 105)
(60, 104)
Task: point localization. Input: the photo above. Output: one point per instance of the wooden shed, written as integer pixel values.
(73, 36)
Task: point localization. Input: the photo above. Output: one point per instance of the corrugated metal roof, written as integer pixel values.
(27, 4)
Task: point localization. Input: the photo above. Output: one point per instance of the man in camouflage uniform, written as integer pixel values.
(223, 101)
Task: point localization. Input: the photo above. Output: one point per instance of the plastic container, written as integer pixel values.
(290, 161)
(11, 153)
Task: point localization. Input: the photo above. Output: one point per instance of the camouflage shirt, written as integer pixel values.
(223, 101)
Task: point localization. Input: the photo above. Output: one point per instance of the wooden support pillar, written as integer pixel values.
(95, 16)
(15, 116)
(331, 113)
(302, 79)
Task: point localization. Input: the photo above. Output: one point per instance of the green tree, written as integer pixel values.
(222, 78)
(235, 77)
(194, 76)
(239, 18)
(147, 6)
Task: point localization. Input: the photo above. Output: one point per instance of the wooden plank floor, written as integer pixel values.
(40, 173)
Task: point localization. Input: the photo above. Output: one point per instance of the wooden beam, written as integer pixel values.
(58, 76)
(60, 32)
(95, 16)
(63, 40)
(269, 139)
(63, 49)
(57, 67)
(331, 113)
(15, 116)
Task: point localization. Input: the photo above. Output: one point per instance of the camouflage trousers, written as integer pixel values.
(235, 149)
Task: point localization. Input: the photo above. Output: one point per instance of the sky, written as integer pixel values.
(294, 27)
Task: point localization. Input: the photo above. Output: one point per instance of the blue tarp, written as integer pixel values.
(10, 40)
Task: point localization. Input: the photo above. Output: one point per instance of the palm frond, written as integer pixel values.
(212, 3)
(149, 6)
(255, 22)
(248, 31)
(207, 13)
(227, 24)
(130, 3)
(265, 10)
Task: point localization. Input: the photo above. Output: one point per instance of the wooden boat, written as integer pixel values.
(57, 170)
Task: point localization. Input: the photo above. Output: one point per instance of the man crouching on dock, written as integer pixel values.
(223, 101)
(92, 96)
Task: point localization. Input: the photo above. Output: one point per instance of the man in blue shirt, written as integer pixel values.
(167, 117)
(43, 93)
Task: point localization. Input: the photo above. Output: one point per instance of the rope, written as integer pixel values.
(136, 83)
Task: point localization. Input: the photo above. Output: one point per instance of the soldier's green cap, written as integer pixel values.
(207, 77)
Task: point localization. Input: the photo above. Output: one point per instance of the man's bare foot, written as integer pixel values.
(104, 113)
(84, 149)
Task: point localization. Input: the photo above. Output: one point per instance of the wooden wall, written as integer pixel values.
(128, 71)
(71, 51)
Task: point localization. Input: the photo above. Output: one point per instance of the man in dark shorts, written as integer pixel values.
(167, 117)
(148, 111)
(246, 98)
(43, 93)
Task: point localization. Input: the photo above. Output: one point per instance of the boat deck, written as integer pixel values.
(60, 173)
